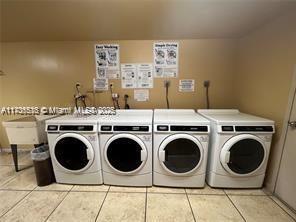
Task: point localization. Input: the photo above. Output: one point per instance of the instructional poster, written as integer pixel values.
(186, 85)
(136, 75)
(101, 84)
(141, 95)
(107, 61)
(145, 75)
(128, 76)
(166, 59)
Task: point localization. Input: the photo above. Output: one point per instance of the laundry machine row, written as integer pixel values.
(164, 147)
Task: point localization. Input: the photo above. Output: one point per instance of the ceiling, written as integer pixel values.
(85, 20)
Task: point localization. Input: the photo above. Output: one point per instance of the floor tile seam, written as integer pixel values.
(46, 219)
(146, 196)
(166, 192)
(99, 211)
(240, 213)
(10, 179)
(17, 203)
(248, 195)
(190, 206)
(207, 194)
(13, 189)
(282, 207)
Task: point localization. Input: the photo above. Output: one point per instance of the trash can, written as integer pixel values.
(42, 164)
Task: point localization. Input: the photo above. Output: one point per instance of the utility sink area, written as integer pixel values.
(27, 130)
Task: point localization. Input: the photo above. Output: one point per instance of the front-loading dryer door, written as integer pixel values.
(180, 154)
(73, 152)
(243, 155)
(125, 153)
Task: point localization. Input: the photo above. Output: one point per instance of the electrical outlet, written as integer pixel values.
(206, 83)
(115, 95)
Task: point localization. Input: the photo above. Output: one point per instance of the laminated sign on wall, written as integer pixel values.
(100, 84)
(141, 95)
(186, 85)
(136, 76)
(145, 75)
(166, 59)
(128, 76)
(107, 61)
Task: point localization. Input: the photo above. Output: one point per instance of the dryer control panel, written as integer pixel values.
(71, 128)
(124, 128)
(181, 128)
(245, 129)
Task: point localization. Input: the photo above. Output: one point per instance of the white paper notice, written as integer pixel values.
(107, 61)
(128, 76)
(141, 95)
(166, 59)
(145, 76)
(186, 85)
(101, 84)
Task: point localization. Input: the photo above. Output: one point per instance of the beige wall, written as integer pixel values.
(45, 73)
(265, 65)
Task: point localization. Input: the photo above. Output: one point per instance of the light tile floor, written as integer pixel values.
(21, 200)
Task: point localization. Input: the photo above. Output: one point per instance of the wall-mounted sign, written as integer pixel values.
(137, 75)
(166, 59)
(186, 85)
(107, 61)
(141, 95)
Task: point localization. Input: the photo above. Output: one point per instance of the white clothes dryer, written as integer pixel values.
(74, 149)
(238, 149)
(126, 141)
(180, 148)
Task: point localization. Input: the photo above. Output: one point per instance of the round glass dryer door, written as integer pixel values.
(73, 152)
(125, 153)
(243, 154)
(180, 154)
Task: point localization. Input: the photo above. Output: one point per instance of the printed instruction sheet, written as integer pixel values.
(128, 76)
(101, 84)
(145, 75)
(137, 75)
(107, 61)
(141, 95)
(166, 59)
(186, 85)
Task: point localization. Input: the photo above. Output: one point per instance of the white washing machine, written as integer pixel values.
(238, 149)
(180, 148)
(74, 149)
(126, 141)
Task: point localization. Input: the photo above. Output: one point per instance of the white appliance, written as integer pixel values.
(180, 148)
(74, 149)
(126, 142)
(238, 149)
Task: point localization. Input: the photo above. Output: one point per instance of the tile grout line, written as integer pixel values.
(46, 219)
(190, 205)
(19, 173)
(234, 206)
(102, 204)
(282, 208)
(146, 194)
(17, 202)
